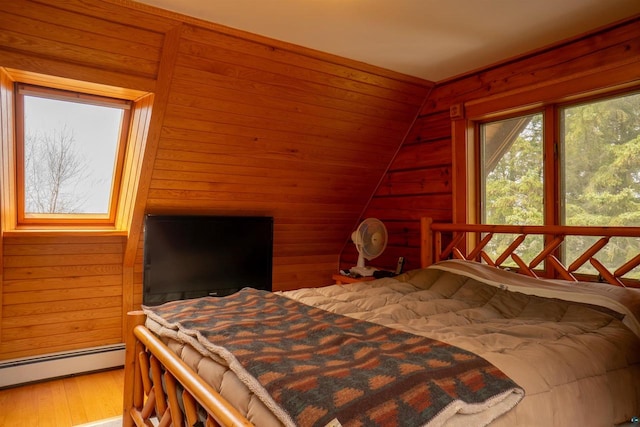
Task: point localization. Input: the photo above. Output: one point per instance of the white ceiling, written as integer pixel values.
(432, 39)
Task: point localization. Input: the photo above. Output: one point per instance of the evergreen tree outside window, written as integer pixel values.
(512, 184)
(600, 180)
(512, 171)
(597, 181)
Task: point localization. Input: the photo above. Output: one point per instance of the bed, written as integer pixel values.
(455, 343)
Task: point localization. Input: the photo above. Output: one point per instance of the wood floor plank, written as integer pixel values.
(4, 405)
(20, 408)
(99, 403)
(50, 412)
(75, 403)
(63, 402)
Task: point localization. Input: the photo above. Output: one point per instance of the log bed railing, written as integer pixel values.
(158, 385)
(468, 241)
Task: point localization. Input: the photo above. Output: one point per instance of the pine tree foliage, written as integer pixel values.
(599, 144)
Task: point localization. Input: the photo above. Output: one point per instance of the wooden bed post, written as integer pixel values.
(426, 245)
(134, 318)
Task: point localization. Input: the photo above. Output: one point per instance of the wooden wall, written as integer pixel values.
(255, 129)
(245, 125)
(61, 293)
(241, 125)
(422, 179)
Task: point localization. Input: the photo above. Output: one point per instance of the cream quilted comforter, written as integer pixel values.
(574, 349)
(578, 364)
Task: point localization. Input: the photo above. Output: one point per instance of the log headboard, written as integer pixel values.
(442, 241)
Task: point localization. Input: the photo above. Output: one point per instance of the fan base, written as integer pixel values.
(363, 271)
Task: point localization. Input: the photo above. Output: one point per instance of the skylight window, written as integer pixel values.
(69, 155)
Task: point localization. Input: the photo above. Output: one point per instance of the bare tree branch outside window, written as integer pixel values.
(54, 170)
(71, 155)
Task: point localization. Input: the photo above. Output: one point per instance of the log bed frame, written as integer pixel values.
(467, 241)
(154, 394)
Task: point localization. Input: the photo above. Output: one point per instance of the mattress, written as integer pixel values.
(574, 349)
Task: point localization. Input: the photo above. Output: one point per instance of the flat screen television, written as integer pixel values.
(194, 256)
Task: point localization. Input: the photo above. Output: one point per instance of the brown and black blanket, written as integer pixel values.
(312, 367)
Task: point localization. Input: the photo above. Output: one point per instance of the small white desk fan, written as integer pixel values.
(370, 239)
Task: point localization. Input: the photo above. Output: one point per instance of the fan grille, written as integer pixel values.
(371, 238)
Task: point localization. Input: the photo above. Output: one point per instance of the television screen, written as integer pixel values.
(195, 256)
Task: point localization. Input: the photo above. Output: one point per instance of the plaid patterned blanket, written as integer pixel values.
(313, 367)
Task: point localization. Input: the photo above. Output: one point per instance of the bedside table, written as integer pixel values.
(342, 280)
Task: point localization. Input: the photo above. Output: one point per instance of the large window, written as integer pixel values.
(600, 162)
(70, 150)
(512, 171)
(573, 164)
(512, 184)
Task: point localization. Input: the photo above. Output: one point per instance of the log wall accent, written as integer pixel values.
(597, 61)
(239, 124)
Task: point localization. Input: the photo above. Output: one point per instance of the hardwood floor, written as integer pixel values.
(63, 402)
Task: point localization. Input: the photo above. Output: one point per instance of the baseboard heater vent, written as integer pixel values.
(31, 369)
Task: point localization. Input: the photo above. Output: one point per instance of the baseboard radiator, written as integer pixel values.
(32, 369)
